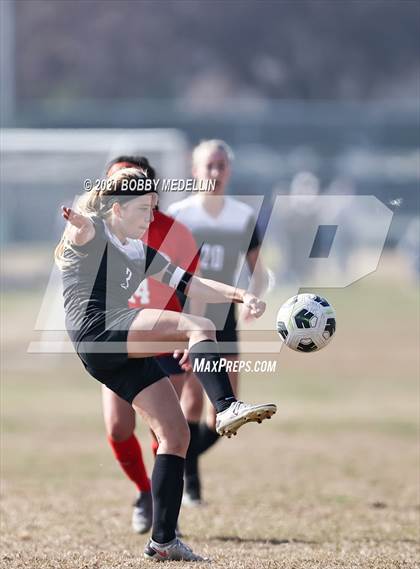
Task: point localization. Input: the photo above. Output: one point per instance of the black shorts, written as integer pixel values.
(169, 365)
(130, 378)
(123, 375)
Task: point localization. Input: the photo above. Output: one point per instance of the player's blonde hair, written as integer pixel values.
(98, 201)
(211, 145)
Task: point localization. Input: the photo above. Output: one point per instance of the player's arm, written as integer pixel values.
(81, 229)
(206, 290)
(215, 292)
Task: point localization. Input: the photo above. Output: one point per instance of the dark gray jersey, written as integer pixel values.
(101, 277)
(222, 240)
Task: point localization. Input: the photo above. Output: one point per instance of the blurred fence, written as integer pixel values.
(365, 149)
(42, 169)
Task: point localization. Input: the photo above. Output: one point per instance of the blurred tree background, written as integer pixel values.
(326, 86)
(214, 50)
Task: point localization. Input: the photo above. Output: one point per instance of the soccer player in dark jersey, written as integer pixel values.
(173, 240)
(102, 262)
(225, 230)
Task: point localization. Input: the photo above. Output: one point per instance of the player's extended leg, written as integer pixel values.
(163, 328)
(159, 406)
(156, 326)
(120, 422)
(208, 435)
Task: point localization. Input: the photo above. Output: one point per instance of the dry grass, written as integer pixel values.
(330, 482)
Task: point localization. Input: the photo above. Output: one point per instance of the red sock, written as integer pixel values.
(155, 445)
(128, 454)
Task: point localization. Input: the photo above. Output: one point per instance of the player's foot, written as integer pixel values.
(142, 518)
(192, 491)
(239, 413)
(175, 550)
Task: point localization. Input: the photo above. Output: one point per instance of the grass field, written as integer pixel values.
(330, 482)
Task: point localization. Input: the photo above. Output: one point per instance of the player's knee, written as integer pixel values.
(176, 440)
(199, 328)
(119, 432)
(207, 326)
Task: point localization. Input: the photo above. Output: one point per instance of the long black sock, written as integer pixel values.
(191, 460)
(206, 438)
(167, 486)
(205, 360)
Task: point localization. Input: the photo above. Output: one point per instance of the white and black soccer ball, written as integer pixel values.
(306, 322)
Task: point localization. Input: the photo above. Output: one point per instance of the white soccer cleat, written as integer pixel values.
(142, 517)
(192, 491)
(175, 550)
(239, 413)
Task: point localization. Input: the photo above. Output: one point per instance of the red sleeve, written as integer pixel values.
(188, 255)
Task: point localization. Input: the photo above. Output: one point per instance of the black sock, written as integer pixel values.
(206, 438)
(204, 356)
(167, 486)
(191, 460)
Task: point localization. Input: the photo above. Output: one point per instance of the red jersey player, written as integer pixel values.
(173, 240)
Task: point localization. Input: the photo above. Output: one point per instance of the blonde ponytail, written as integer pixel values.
(96, 202)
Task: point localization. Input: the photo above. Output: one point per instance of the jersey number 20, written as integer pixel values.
(212, 257)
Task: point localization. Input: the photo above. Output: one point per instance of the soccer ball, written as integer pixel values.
(306, 322)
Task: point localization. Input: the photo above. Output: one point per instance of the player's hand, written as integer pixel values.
(184, 362)
(83, 227)
(78, 220)
(245, 314)
(254, 305)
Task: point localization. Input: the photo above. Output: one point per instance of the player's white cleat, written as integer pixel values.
(175, 550)
(142, 517)
(192, 491)
(239, 413)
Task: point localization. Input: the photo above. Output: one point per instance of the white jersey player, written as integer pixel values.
(225, 230)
